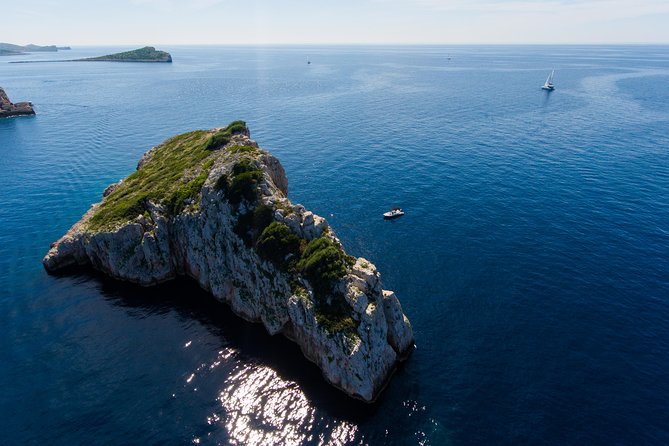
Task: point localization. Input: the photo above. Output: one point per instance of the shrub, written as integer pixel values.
(222, 184)
(243, 166)
(335, 322)
(250, 225)
(237, 127)
(334, 315)
(217, 140)
(245, 178)
(263, 216)
(222, 137)
(244, 186)
(322, 262)
(276, 242)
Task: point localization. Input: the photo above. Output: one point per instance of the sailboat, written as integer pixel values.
(548, 85)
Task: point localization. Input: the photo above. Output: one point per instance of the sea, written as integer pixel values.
(533, 259)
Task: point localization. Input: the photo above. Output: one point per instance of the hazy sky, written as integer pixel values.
(116, 22)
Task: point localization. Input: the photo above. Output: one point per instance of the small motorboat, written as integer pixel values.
(394, 213)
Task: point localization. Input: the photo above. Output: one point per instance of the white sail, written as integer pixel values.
(548, 85)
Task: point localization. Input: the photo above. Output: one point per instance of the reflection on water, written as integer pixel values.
(263, 408)
(265, 391)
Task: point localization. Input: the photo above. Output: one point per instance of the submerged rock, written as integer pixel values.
(8, 108)
(213, 205)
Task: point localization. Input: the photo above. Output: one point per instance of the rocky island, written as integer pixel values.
(146, 54)
(8, 108)
(212, 205)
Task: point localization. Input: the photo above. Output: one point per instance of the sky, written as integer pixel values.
(130, 22)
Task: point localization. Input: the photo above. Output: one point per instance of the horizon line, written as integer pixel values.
(366, 44)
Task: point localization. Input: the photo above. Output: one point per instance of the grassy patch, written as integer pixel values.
(174, 176)
(336, 322)
(243, 149)
(179, 198)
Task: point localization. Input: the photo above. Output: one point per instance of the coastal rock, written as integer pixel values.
(224, 219)
(111, 188)
(8, 109)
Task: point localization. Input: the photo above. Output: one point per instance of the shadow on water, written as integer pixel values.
(184, 297)
(546, 97)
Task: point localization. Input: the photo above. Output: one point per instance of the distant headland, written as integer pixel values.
(10, 49)
(145, 54)
(9, 109)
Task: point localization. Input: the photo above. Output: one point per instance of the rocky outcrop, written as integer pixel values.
(240, 238)
(8, 108)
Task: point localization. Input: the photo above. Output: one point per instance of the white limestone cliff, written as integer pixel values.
(201, 242)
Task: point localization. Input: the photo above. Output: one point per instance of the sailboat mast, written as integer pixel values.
(548, 85)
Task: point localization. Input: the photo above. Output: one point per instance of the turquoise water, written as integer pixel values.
(533, 260)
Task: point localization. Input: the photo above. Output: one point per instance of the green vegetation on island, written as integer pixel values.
(321, 261)
(280, 245)
(222, 137)
(173, 176)
(145, 54)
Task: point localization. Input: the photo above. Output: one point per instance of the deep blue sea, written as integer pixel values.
(533, 260)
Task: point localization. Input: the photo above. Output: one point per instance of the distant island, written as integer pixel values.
(9, 109)
(10, 49)
(146, 54)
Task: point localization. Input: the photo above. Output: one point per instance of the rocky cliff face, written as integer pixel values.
(7, 108)
(232, 228)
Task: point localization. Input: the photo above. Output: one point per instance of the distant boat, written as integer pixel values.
(548, 85)
(308, 61)
(394, 213)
